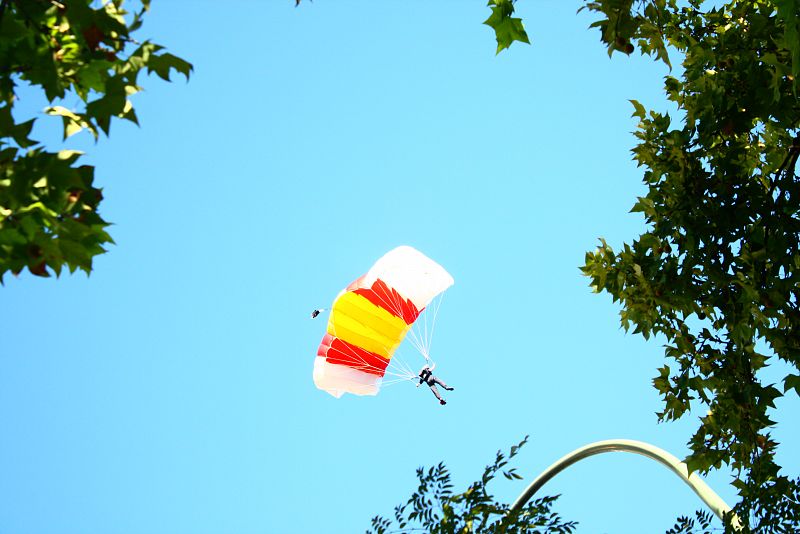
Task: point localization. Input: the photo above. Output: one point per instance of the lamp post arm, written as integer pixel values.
(709, 497)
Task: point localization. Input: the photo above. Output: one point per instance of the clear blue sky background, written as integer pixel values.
(171, 391)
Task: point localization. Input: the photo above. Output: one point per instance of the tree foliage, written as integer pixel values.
(48, 202)
(690, 525)
(436, 509)
(717, 272)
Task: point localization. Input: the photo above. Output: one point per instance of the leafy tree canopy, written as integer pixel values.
(717, 273)
(48, 202)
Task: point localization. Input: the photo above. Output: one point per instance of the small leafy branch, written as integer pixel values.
(436, 509)
(700, 524)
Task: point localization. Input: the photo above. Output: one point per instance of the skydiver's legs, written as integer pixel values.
(437, 381)
(436, 393)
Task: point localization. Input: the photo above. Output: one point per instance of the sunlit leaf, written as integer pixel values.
(507, 29)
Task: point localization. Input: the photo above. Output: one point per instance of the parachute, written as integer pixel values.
(371, 317)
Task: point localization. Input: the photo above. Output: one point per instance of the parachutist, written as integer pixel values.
(426, 376)
(315, 313)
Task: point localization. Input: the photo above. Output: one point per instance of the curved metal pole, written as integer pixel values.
(712, 500)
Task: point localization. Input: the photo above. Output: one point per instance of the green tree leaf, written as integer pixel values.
(507, 29)
(792, 382)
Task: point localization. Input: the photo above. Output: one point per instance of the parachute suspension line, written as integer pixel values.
(437, 305)
(425, 353)
(394, 378)
(419, 344)
(422, 336)
(417, 337)
(394, 381)
(400, 369)
(429, 333)
(413, 338)
(398, 378)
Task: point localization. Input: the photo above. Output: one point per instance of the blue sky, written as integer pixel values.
(171, 391)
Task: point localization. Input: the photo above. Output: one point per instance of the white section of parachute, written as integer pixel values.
(339, 379)
(414, 275)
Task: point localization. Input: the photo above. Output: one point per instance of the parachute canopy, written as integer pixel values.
(370, 318)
